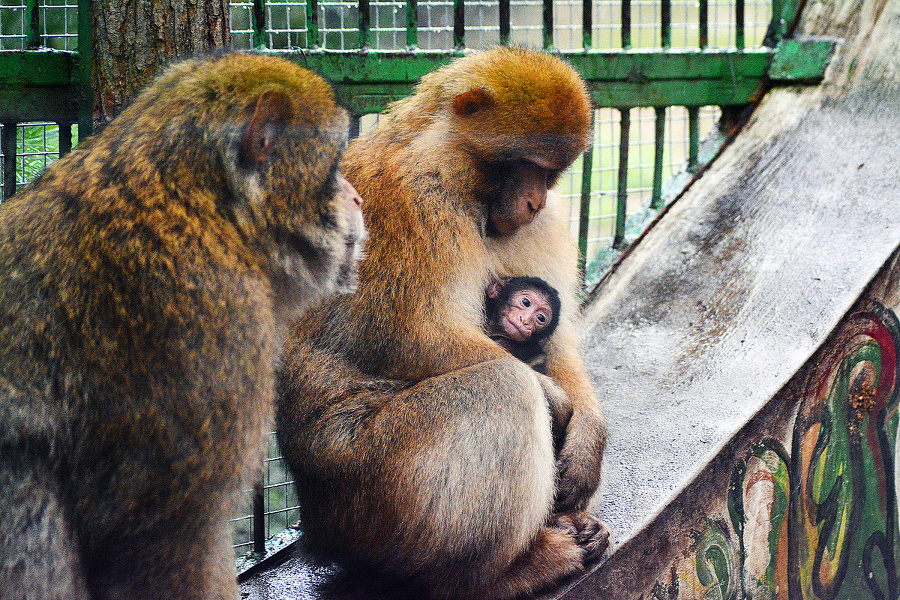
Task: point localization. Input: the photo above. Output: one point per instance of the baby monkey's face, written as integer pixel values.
(527, 312)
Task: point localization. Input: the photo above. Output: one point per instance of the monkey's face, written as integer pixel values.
(519, 192)
(527, 313)
(318, 230)
(521, 135)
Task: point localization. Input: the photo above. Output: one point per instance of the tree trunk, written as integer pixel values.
(132, 39)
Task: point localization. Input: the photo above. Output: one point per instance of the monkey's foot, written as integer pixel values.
(589, 532)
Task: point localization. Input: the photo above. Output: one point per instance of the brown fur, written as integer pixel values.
(422, 448)
(141, 282)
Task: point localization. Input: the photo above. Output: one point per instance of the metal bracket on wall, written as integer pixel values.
(801, 60)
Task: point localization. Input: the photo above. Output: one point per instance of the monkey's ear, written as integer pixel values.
(472, 101)
(494, 290)
(270, 117)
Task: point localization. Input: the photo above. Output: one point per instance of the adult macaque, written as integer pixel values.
(521, 313)
(142, 278)
(421, 448)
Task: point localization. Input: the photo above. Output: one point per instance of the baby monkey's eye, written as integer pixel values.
(541, 318)
(526, 302)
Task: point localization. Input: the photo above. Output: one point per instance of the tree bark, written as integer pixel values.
(133, 38)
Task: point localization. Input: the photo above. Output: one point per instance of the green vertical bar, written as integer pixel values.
(459, 24)
(33, 23)
(259, 24)
(739, 24)
(65, 139)
(666, 18)
(84, 66)
(584, 213)
(693, 137)
(704, 23)
(587, 23)
(622, 198)
(365, 24)
(626, 24)
(776, 27)
(259, 519)
(312, 23)
(8, 148)
(412, 24)
(784, 13)
(659, 136)
(504, 19)
(548, 24)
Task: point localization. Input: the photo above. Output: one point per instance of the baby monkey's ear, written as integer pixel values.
(494, 290)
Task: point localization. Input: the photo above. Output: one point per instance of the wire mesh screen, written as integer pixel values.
(339, 24)
(280, 507)
(57, 25)
(604, 170)
(37, 145)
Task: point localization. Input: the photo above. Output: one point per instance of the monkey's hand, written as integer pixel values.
(589, 532)
(578, 461)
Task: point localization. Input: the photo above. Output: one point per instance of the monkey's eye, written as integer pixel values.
(542, 318)
(526, 302)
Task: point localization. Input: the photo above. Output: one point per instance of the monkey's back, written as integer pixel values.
(138, 338)
(115, 331)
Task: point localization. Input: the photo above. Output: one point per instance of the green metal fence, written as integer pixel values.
(664, 76)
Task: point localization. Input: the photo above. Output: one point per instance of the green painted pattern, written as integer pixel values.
(813, 515)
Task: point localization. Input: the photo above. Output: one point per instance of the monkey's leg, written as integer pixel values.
(552, 556)
(560, 406)
(38, 553)
(190, 558)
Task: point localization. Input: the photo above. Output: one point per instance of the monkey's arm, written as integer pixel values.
(448, 349)
(581, 455)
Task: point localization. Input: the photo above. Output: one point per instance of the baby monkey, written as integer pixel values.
(521, 314)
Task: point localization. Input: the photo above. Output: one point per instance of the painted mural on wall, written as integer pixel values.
(813, 516)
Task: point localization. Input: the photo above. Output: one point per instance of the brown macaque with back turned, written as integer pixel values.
(520, 314)
(144, 279)
(422, 449)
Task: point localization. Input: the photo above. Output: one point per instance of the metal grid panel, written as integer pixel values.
(605, 166)
(37, 146)
(58, 24)
(282, 508)
(646, 24)
(286, 24)
(13, 34)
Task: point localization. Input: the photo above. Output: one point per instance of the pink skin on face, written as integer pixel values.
(529, 312)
